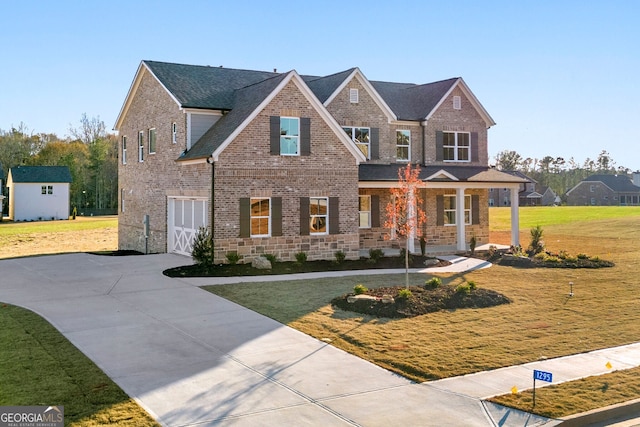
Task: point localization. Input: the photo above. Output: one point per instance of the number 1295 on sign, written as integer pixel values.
(542, 376)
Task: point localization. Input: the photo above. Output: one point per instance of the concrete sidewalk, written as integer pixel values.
(192, 358)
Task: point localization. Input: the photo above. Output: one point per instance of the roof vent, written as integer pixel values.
(275, 70)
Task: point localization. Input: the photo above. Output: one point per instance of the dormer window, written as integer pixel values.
(353, 96)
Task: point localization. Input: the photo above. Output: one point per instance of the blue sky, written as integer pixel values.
(558, 77)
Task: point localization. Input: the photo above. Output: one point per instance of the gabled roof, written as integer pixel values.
(324, 87)
(377, 172)
(37, 174)
(411, 101)
(520, 175)
(619, 183)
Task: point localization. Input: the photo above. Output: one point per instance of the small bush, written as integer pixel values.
(433, 283)
(375, 255)
(571, 259)
(595, 258)
(301, 257)
(404, 294)
(582, 256)
(463, 289)
(552, 259)
(472, 285)
(537, 245)
(202, 252)
(472, 244)
(233, 257)
(271, 257)
(359, 289)
(340, 256)
(403, 252)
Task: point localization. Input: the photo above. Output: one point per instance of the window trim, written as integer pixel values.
(141, 146)
(291, 137)
(361, 212)
(407, 146)
(124, 149)
(456, 147)
(152, 138)
(314, 216)
(351, 131)
(354, 96)
(252, 200)
(469, 210)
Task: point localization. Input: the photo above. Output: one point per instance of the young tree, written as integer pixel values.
(405, 215)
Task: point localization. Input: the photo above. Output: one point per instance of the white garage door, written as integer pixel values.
(185, 217)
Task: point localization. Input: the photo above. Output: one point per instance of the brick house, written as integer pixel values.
(280, 163)
(606, 190)
(530, 193)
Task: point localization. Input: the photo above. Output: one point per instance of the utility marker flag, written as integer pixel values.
(514, 390)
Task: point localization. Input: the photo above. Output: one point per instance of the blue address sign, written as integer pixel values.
(543, 376)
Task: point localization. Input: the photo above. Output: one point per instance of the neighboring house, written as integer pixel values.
(530, 193)
(38, 192)
(606, 190)
(279, 163)
(549, 197)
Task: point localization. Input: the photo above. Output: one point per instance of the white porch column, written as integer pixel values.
(515, 219)
(460, 226)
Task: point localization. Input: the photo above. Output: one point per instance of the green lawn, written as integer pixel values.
(41, 367)
(541, 322)
(8, 229)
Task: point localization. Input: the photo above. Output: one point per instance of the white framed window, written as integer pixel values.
(364, 208)
(361, 138)
(290, 136)
(456, 146)
(318, 215)
(354, 96)
(124, 150)
(152, 141)
(141, 146)
(592, 188)
(450, 209)
(457, 103)
(403, 145)
(260, 217)
(174, 133)
(593, 201)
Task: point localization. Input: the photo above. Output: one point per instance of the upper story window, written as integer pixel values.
(289, 136)
(260, 217)
(457, 103)
(456, 146)
(354, 96)
(152, 141)
(174, 133)
(361, 137)
(403, 145)
(318, 215)
(141, 146)
(124, 150)
(364, 208)
(592, 188)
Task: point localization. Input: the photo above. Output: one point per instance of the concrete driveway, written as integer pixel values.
(192, 358)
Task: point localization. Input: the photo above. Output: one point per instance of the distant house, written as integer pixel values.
(606, 190)
(529, 193)
(38, 192)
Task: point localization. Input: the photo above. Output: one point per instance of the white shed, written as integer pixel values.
(38, 192)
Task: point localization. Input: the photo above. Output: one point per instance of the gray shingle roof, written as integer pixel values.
(34, 174)
(620, 183)
(376, 172)
(411, 101)
(323, 87)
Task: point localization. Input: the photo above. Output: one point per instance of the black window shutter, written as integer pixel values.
(305, 136)
(439, 146)
(374, 144)
(274, 135)
(276, 216)
(475, 209)
(375, 211)
(439, 210)
(474, 146)
(245, 217)
(334, 215)
(304, 216)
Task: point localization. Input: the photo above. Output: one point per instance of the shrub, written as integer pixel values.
(404, 294)
(359, 289)
(463, 289)
(375, 255)
(340, 256)
(537, 245)
(552, 259)
(472, 244)
(271, 257)
(301, 257)
(582, 256)
(233, 257)
(202, 252)
(595, 258)
(433, 283)
(403, 252)
(472, 285)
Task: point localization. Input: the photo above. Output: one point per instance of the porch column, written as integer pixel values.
(460, 226)
(515, 219)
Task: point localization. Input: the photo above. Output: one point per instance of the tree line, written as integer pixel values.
(90, 153)
(558, 173)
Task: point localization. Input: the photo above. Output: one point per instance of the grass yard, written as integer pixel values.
(542, 321)
(84, 234)
(41, 367)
